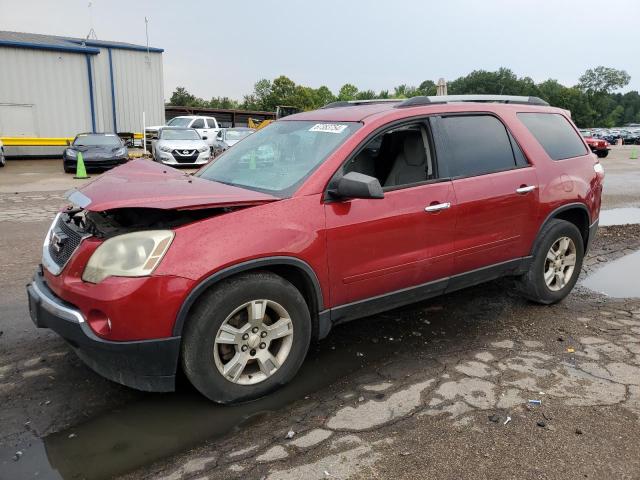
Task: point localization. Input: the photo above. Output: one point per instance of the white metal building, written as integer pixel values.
(59, 86)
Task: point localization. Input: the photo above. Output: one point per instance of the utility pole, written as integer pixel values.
(148, 62)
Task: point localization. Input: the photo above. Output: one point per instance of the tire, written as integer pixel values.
(3, 161)
(203, 356)
(532, 284)
(67, 169)
(601, 154)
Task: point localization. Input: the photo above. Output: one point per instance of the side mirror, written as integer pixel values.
(357, 185)
(204, 138)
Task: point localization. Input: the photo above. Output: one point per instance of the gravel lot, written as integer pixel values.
(420, 392)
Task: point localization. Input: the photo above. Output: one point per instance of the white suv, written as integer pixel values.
(206, 126)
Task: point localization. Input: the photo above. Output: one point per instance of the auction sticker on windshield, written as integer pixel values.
(328, 128)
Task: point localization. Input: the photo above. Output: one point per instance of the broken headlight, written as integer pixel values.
(130, 255)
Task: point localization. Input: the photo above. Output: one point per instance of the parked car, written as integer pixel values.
(598, 146)
(3, 160)
(99, 151)
(227, 137)
(180, 147)
(363, 207)
(205, 126)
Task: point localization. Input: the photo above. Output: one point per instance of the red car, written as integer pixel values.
(362, 207)
(599, 146)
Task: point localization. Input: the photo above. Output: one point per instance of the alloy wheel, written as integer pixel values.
(253, 342)
(560, 263)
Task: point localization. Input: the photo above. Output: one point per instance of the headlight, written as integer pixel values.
(71, 153)
(203, 149)
(130, 255)
(120, 152)
(164, 148)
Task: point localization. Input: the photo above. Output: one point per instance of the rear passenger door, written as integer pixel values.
(496, 189)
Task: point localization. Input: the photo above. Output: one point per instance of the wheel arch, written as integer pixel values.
(575, 213)
(296, 271)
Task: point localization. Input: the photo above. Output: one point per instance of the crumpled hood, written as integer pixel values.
(146, 184)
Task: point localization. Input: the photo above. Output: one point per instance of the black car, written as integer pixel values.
(99, 151)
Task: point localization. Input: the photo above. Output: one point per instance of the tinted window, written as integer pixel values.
(211, 122)
(477, 144)
(179, 122)
(179, 134)
(88, 140)
(555, 134)
(198, 123)
(521, 160)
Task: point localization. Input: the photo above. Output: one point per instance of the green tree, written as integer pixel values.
(347, 92)
(181, 98)
(603, 80)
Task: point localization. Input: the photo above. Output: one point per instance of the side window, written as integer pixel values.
(477, 145)
(211, 122)
(198, 123)
(555, 134)
(521, 160)
(398, 157)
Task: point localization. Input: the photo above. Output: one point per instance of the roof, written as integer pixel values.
(65, 44)
(370, 111)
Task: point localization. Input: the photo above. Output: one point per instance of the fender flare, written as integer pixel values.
(553, 213)
(216, 277)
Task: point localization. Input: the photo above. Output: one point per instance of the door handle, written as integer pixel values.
(437, 207)
(525, 189)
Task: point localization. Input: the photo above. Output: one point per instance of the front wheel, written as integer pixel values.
(246, 337)
(602, 154)
(557, 260)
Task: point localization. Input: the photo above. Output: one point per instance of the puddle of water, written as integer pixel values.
(618, 279)
(161, 425)
(619, 216)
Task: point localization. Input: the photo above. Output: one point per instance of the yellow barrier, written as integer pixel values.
(35, 142)
(43, 142)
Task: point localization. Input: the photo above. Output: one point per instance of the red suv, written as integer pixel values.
(320, 218)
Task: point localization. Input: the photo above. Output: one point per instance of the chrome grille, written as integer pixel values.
(63, 241)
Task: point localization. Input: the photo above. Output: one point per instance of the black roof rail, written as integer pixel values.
(516, 99)
(353, 103)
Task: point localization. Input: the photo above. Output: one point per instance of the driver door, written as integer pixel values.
(404, 240)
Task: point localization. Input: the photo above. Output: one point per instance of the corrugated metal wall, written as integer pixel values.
(139, 87)
(54, 83)
(46, 93)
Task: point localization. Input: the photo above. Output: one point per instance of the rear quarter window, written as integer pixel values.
(555, 134)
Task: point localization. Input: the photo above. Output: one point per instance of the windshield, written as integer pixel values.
(97, 141)
(277, 158)
(586, 133)
(179, 134)
(179, 122)
(236, 134)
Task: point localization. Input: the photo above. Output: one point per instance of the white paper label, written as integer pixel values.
(328, 128)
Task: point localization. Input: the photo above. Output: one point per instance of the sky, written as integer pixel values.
(221, 48)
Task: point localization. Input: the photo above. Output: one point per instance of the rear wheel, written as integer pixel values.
(556, 264)
(246, 337)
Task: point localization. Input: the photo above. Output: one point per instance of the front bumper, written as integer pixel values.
(101, 163)
(148, 365)
(168, 159)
